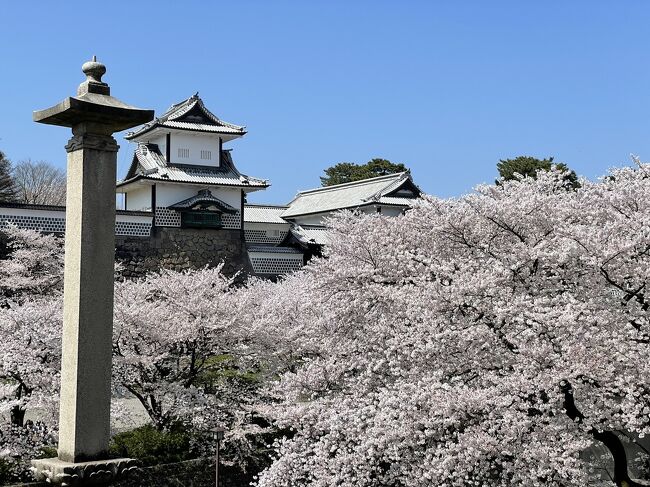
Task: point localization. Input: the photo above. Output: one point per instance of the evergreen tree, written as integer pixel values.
(528, 166)
(7, 188)
(345, 172)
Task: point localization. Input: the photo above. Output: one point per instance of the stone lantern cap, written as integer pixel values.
(94, 106)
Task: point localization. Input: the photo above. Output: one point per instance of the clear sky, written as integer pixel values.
(446, 87)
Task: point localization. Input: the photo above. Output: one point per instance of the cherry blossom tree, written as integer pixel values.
(32, 264)
(181, 349)
(30, 358)
(30, 361)
(31, 278)
(178, 344)
(488, 340)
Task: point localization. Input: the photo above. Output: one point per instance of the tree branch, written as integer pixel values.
(608, 438)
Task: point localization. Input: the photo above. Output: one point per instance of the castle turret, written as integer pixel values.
(182, 173)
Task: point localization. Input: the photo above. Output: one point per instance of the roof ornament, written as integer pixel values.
(94, 71)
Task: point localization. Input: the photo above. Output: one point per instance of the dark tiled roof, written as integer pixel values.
(190, 114)
(310, 234)
(273, 250)
(264, 214)
(148, 163)
(352, 195)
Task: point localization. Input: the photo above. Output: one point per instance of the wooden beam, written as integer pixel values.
(153, 204)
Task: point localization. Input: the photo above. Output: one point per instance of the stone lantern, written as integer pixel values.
(94, 115)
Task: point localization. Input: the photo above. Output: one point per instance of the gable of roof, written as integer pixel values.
(203, 199)
(149, 163)
(190, 114)
(353, 195)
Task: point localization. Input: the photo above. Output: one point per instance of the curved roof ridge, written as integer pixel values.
(391, 187)
(265, 205)
(217, 119)
(360, 182)
(253, 178)
(175, 112)
(175, 107)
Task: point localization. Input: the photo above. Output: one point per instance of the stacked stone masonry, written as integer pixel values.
(142, 249)
(181, 249)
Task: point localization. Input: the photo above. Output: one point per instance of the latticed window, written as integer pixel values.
(201, 219)
(184, 153)
(206, 154)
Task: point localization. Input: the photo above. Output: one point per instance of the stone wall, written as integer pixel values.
(182, 248)
(178, 249)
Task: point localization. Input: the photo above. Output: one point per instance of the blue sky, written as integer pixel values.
(446, 87)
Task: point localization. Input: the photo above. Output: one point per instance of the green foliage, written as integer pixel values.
(152, 446)
(7, 471)
(345, 172)
(529, 166)
(220, 369)
(7, 187)
(48, 452)
(11, 470)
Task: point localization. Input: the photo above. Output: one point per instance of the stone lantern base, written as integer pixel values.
(101, 472)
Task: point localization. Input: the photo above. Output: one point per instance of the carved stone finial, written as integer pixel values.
(94, 71)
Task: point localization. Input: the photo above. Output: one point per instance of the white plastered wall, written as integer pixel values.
(139, 199)
(310, 219)
(168, 194)
(194, 143)
(318, 219)
(391, 210)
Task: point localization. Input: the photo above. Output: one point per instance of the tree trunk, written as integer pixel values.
(18, 416)
(608, 438)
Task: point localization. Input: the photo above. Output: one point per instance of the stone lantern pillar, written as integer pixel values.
(84, 416)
